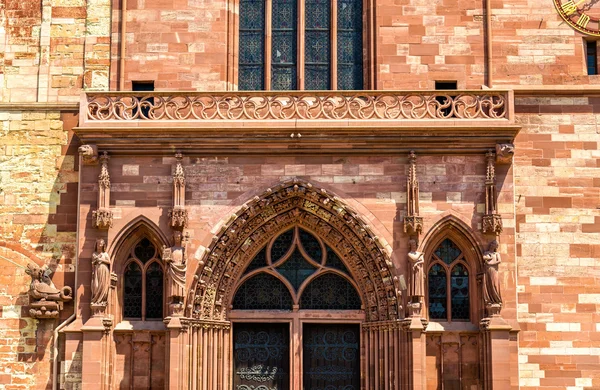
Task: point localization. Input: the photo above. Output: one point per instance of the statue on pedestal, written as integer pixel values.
(417, 262)
(176, 259)
(492, 280)
(100, 274)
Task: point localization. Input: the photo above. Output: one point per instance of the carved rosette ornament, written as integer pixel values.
(178, 214)
(413, 224)
(45, 300)
(102, 217)
(294, 203)
(492, 221)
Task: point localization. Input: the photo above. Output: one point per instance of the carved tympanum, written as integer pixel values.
(101, 277)
(295, 203)
(491, 295)
(492, 221)
(102, 217)
(178, 214)
(176, 259)
(45, 300)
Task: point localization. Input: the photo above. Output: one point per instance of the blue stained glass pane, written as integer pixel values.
(330, 292)
(317, 44)
(252, 45)
(154, 291)
(447, 251)
(284, 45)
(311, 245)
(259, 261)
(296, 269)
(262, 292)
(132, 291)
(281, 245)
(349, 41)
(459, 285)
(334, 261)
(437, 293)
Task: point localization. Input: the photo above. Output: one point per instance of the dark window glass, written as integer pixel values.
(260, 260)
(132, 291)
(447, 251)
(154, 291)
(146, 102)
(252, 45)
(296, 269)
(262, 292)
(144, 250)
(283, 41)
(437, 293)
(459, 285)
(349, 44)
(334, 261)
(592, 62)
(330, 292)
(317, 54)
(311, 246)
(281, 245)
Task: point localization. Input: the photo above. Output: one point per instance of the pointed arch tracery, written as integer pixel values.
(294, 203)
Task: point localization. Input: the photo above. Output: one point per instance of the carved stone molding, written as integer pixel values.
(45, 300)
(103, 217)
(492, 222)
(504, 153)
(178, 214)
(295, 203)
(178, 217)
(89, 154)
(413, 224)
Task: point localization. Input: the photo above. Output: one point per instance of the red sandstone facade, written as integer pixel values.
(513, 157)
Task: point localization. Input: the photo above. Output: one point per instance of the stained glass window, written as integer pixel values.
(132, 291)
(144, 250)
(296, 269)
(282, 245)
(437, 293)
(252, 45)
(262, 292)
(154, 291)
(311, 245)
(330, 292)
(448, 284)
(284, 34)
(334, 261)
(259, 261)
(459, 284)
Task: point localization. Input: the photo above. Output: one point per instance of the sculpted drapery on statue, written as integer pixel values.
(417, 276)
(492, 280)
(100, 274)
(176, 258)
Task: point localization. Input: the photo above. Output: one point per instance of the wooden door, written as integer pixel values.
(331, 357)
(261, 356)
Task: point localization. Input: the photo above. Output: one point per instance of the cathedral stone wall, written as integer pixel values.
(557, 190)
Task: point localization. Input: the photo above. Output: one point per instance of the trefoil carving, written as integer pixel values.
(492, 221)
(413, 223)
(45, 300)
(103, 216)
(178, 214)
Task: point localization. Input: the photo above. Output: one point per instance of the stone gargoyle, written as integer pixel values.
(46, 300)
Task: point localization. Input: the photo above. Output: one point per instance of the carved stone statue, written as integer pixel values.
(417, 276)
(176, 258)
(492, 279)
(89, 154)
(45, 299)
(100, 274)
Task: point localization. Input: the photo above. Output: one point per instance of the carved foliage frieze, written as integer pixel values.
(294, 203)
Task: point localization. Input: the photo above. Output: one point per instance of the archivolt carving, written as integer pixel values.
(294, 203)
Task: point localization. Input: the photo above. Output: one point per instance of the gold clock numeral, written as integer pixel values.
(569, 8)
(583, 21)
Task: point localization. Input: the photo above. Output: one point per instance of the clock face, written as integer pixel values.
(582, 15)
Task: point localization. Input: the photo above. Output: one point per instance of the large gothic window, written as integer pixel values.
(300, 44)
(448, 284)
(296, 269)
(143, 283)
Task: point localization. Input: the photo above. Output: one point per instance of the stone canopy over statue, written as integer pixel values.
(176, 259)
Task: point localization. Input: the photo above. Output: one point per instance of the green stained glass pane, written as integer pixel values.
(334, 261)
(281, 245)
(252, 45)
(447, 251)
(330, 292)
(262, 292)
(459, 286)
(259, 261)
(311, 245)
(350, 45)
(296, 269)
(437, 293)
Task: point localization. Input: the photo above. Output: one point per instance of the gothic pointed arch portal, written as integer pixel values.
(295, 205)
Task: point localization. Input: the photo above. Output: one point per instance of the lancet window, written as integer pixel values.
(296, 268)
(448, 284)
(143, 283)
(300, 44)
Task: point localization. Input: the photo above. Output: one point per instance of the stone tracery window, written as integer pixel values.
(296, 269)
(300, 44)
(143, 283)
(448, 284)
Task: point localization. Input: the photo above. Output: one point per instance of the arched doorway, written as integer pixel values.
(303, 249)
